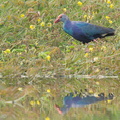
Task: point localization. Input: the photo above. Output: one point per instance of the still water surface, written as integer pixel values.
(60, 99)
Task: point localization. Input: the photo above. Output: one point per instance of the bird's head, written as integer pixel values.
(61, 17)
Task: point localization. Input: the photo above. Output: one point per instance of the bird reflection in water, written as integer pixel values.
(74, 100)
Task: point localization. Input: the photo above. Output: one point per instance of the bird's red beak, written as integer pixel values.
(57, 20)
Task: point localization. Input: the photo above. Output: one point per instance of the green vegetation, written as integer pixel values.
(33, 48)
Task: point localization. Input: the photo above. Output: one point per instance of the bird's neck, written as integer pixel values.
(67, 21)
(67, 27)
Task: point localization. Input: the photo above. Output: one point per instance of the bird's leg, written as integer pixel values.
(86, 48)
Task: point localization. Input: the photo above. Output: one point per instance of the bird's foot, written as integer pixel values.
(95, 40)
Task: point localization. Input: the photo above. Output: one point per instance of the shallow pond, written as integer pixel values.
(60, 99)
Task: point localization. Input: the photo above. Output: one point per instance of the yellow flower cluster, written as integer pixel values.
(91, 49)
(48, 90)
(90, 91)
(64, 9)
(42, 24)
(108, 19)
(20, 89)
(39, 19)
(88, 17)
(95, 59)
(85, 16)
(49, 25)
(48, 57)
(97, 83)
(22, 15)
(33, 102)
(103, 48)
(110, 4)
(2, 5)
(32, 27)
(79, 3)
(47, 118)
(7, 51)
(109, 101)
(86, 55)
(97, 70)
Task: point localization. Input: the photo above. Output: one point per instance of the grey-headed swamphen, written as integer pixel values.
(83, 31)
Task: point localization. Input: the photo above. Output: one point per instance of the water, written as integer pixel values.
(37, 98)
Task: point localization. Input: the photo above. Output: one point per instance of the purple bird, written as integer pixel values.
(71, 101)
(82, 31)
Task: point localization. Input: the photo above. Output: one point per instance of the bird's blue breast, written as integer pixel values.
(75, 30)
(67, 27)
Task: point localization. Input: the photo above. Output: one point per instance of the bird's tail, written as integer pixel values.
(110, 32)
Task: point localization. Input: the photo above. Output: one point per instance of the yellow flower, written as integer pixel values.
(97, 83)
(64, 9)
(49, 25)
(107, 17)
(20, 89)
(32, 102)
(2, 6)
(86, 55)
(9, 17)
(47, 118)
(103, 48)
(94, 12)
(7, 51)
(97, 70)
(85, 16)
(79, 3)
(19, 53)
(48, 90)
(32, 27)
(38, 102)
(110, 21)
(39, 19)
(96, 95)
(48, 57)
(91, 49)
(42, 24)
(95, 59)
(22, 15)
(108, 2)
(90, 17)
(90, 91)
(36, 43)
(111, 6)
(109, 101)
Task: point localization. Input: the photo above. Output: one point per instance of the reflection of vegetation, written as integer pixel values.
(31, 46)
(14, 91)
(39, 98)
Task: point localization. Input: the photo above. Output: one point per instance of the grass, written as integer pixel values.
(31, 45)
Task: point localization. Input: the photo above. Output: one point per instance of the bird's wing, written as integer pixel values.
(92, 30)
